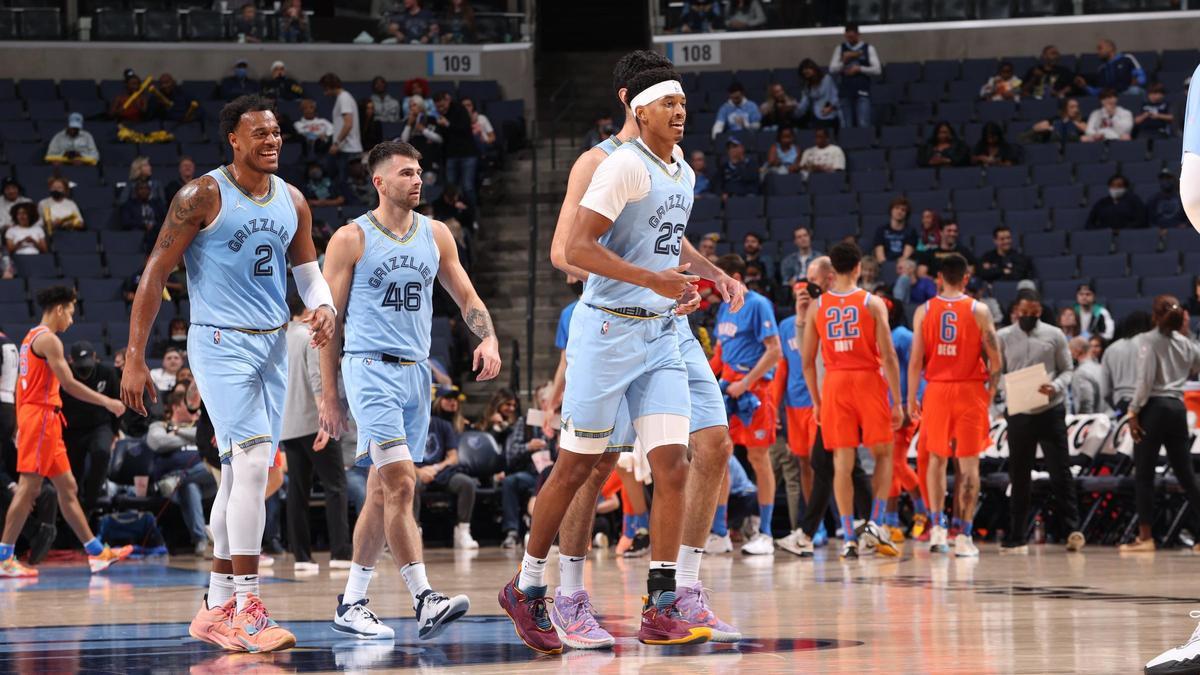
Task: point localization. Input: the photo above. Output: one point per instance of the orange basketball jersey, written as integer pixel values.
(37, 384)
(953, 341)
(847, 331)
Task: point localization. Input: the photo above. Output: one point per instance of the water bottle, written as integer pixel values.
(1039, 530)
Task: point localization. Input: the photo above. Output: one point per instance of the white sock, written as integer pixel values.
(570, 574)
(220, 589)
(414, 578)
(244, 585)
(688, 572)
(356, 584)
(533, 570)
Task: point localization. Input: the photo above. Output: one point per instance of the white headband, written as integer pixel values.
(651, 94)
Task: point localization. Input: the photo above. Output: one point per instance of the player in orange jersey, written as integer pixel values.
(40, 450)
(954, 335)
(850, 326)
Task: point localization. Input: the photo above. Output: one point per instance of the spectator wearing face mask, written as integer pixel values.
(1165, 209)
(1120, 210)
(238, 82)
(90, 429)
(320, 189)
(59, 211)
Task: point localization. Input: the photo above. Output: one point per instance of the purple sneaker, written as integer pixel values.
(693, 605)
(575, 622)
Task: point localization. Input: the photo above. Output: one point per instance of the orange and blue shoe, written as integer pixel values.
(256, 631)
(10, 568)
(107, 557)
(215, 625)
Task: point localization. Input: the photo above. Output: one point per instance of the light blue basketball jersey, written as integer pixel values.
(610, 144)
(1191, 119)
(391, 298)
(237, 266)
(647, 233)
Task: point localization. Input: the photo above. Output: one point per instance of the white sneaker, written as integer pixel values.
(937, 540)
(718, 544)
(305, 568)
(265, 560)
(355, 619)
(435, 611)
(964, 547)
(1179, 659)
(336, 564)
(600, 541)
(796, 543)
(876, 540)
(759, 544)
(462, 537)
(750, 526)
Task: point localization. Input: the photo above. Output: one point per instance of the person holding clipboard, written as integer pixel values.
(1036, 414)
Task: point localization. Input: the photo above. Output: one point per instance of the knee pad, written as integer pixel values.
(655, 431)
(582, 442)
(1189, 187)
(217, 518)
(388, 453)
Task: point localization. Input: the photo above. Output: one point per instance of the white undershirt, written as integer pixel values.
(623, 179)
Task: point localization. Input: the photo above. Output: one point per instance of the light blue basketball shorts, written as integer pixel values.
(391, 403)
(708, 405)
(242, 377)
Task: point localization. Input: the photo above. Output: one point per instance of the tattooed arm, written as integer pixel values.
(194, 206)
(456, 282)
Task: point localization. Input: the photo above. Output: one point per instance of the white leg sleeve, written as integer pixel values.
(217, 519)
(247, 500)
(1189, 188)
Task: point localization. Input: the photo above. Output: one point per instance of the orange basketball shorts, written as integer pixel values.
(40, 447)
(855, 409)
(801, 431)
(761, 430)
(954, 418)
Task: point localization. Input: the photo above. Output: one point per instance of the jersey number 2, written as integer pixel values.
(262, 266)
(842, 323)
(409, 299)
(668, 238)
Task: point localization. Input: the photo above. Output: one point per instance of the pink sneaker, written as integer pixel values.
(215, 626)
(254, 628)
(575, 622)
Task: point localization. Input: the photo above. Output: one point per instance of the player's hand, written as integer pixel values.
(897, 417)
(321, 441)
(320, 326)
(135, 381)
(672, 283)
(535, 444)
(333, 417)
(426, 474)
(689, 302)
(1135, 429)
(736, 389)
(732, 291)
(115, 407)
(487, 359)
(548, 422)
(1047, 390)
(817, 411)
(914, 411)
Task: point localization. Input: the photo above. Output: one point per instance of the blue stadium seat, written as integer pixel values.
(956, 112)
(699, 228)
(1069, 218)
(52, 111)
(868, 181)
(1095, 174)
(160, 153)
(1062, 196)
(876, 203)
(783, 184)
(1138, 241)
(1165, 285)
(1026, 220)
(1179, 59)
(963, 91)
(1156, 264)
(1143, 171)
(1044, 243)
(1182, 239)
(996, 111)
(926, 93)
(1114, 288)
(744, 206)
(36, 285)
(205, 155)
(38, 90)
(1128, 151)
(81, 264)
(35, 266)
(705, 208)
(1059, 291)
(19, 130)
(1092, 267)
(1041, 153)
(835, 227)
(1017, 197)
(791, 206)
(825, 183)
(85, 331)
(12, 290)
(834, 204)
(975, 231)
(1093, 242)
(93, 196)
(1148, 60)
(1095, 192)
(1053, 268)
(901, 72)
(852, 138)
(979, 221)
(1168, 150)
(908, 180)
(902, 158)
(955, 178)
(11, 110)
(914, 113)
(886, 93)
(100, 290)
(187, 132)
(1084, 153)
(106, 311)
(973, 199)
(1006, 176)
(1191, 260)
(781, 229)
(920, 200)
(75, 242)
(117, 154)
(940, 71)
(1005, 292)
(125, 265)
(1123, 307)
(902, 136)
(15, 312)
(977, 71)
(8, 89)
(1034, 109)
(736, 229)
(867, 159)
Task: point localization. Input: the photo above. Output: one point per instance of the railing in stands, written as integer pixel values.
(565, 91)
(535, 136)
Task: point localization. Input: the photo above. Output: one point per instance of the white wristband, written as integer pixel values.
(311, 285)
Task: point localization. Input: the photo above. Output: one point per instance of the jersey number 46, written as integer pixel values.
(408, 298)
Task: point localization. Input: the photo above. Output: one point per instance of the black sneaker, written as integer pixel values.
(641, 544)
(39, 546)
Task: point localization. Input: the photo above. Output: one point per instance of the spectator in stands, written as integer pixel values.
(293, 24)
(738, 113)
(177, 334)
(896, 239)
(822, 157)
(700, 16)
(527, 451)
(248, 26)
(387, 108)
(1096, 346)
(947, 244)
(187, 171)
(1047, 78)
(90, 429)
(176, 459)
(278, 86)
(413, 25)
(1120, 210)
(794, 265)
(976, 288)
(130, 105)
(11, 194)
(458, 23)
(870, 273)
(1094, 319)
(699, 163)
(164, 376)
(1005, 262)
(140, 169)
(746, 15)
(739, 176)
(930, 234)
(1119, 362)
(1066, 127)
(1068, 322)
(1109, 122)
(372, 127)
(993, 149)
(500, 416)
(943, 148)
(856, 62)
(1164, 210)
(419, 129)
(238, 83)
(317, 132)
(170, 103)
(73, 145)
(440, 469)
(346, 145)
(448, 406)
(1119, 72)
(784, 157)
(359, 189)
(1086, 387)
(819, 96)
(481, 126)
(418, 86)
(912, 287)
(26, 235)
(452, 206)
(143, 213)
(319, 189)
(779, 110)
(1155, 120)
(1003, 86)
(462, 155)
(59, 211)
(752, 251)
(601, 129)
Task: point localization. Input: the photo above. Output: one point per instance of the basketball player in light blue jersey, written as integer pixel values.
(1186, 658)
(381, 269)
(237, 228)
(711, 447)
